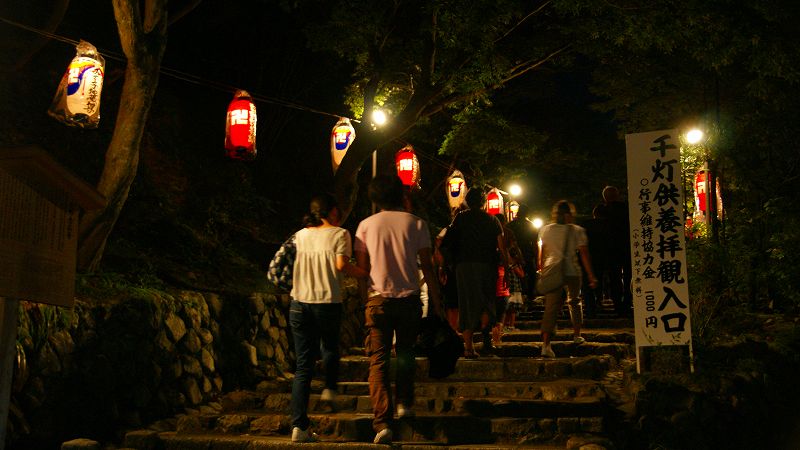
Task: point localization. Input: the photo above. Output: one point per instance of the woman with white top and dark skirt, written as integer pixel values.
(315, 314)
(558, 240)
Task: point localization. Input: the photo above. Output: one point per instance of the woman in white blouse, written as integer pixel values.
(315, 315)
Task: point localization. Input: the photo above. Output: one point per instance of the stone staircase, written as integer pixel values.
(511, 399)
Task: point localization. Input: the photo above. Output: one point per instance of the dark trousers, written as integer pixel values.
(385, 318)
(313, 324)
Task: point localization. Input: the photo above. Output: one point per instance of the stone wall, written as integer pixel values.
(109, 365)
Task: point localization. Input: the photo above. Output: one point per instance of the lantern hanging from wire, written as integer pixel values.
(77, 100)
(407, 166)
(513, 210)
(240, 127)
(494, 202)
(456, 189)
(342, 137)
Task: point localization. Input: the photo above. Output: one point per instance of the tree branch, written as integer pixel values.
(531, 14)
(513, 73)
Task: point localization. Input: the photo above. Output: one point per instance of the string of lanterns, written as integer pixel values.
(77, 103)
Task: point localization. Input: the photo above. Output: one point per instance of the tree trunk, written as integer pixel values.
(143, 38)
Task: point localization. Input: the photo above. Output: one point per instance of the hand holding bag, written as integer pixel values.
(552, 277)
(281, 267)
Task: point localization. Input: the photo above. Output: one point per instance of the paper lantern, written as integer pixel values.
(700, 191)
(342, 137)
(513, 210)
(494, 202)
(77, 100)
(407, 166)
(456, 189)
(240, 127)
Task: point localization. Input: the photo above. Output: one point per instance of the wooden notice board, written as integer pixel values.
(40, 203)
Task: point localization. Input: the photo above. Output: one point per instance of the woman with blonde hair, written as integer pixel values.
(563, 241)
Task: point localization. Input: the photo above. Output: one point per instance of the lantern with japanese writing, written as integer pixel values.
(407, 166)
(513, 210)
(494, 202)
(700, 191)
(342, 137)
(77, 100)
(240, 127)
(456, 189)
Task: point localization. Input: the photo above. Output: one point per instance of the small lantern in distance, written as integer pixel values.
(240, 127)
(77, 100)
(494, 202)
(407, 166)
(513, 210)
(342, 137)
(456, 189)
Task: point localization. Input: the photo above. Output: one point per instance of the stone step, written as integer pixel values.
(622, 323)
(172, 441)
(450, 398)
(604, 335)
(487, 369)
(562, 349)
(540, 427)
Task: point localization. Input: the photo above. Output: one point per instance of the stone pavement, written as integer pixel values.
(511, 399)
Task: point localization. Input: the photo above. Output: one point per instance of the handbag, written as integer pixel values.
(441, 344)
(281, 267)
(552, 277)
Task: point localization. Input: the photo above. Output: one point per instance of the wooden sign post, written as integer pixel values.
(40, 202)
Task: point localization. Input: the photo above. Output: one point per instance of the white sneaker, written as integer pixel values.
(547, 352)
(404, 412)
(383, 437)
(299, 435)
(579, 340)
(328, 395)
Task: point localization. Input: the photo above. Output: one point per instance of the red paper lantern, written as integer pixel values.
(494, 202)
(407, 166)
(240, 128)
(700, 190)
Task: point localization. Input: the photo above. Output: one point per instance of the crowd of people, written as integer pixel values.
(477, 273)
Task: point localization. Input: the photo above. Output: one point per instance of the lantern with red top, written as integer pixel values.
(494, 202)
(240, 128)
(407, 166)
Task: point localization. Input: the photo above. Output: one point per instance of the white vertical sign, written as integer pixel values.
(658, 246)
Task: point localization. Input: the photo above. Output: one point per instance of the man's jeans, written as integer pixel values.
(313, 323)
(385, 318)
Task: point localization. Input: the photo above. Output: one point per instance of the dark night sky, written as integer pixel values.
(258, 47)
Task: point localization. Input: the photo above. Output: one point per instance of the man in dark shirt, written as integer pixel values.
(475, 238)
(619, 252)
(598, 235)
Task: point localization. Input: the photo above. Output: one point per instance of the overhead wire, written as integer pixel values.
(191, 78)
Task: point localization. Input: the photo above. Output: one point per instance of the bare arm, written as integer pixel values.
(362, 261)
(434, 297)
(343, 265)
(587, 264)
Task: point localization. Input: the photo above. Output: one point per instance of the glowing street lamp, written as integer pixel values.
(694, 136)
(378, 117)
(537, 223)
(515, 190)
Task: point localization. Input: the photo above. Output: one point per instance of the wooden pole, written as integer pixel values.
(8, 351)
